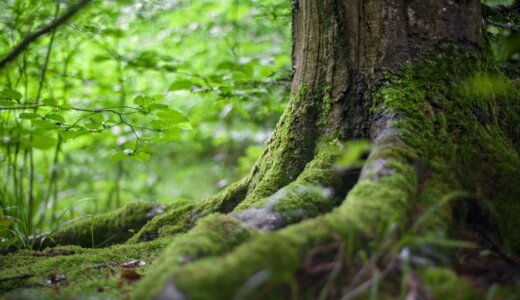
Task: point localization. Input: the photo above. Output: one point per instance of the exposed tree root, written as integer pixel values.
(181, 217)
(102, 230)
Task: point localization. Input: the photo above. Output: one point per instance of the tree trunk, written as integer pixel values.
(401, 73)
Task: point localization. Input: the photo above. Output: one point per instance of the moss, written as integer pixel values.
(182, 215)
(74, 272)
(177, 219)
(290, 149)
(383, 201)
(456, 131)
(316, 190)
(326, 107)
(105, 229)
(213, 235)
(435, 200)
(441, 283)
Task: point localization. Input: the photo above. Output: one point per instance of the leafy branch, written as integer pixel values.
(31, 37)
(167, 124)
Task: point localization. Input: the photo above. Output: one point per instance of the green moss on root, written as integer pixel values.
(213, 235)
(290, 149)
(457, 133)
(181, 216)
(316, 190)
(105, 229)
(177, 219)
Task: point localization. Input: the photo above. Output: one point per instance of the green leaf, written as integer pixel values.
(158, 106)
(185, 126)
(143, 100)
(50, 101)
(43, 141)
(97, 118)
(43, 125)
(7, 102)
(172, 117)
(182, 84)
(142, 157)
(101, 58)
(119, 156)
(28, 116)
(171, 134)
(147, 59)
(115, 32)
(56, 117)
(73, 133)
(92, 125)
(159, 97)
(158, 124)
(227, 65)
(170, 67)
(10, 94)
(147, 149)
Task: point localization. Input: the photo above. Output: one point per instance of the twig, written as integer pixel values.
(19, 107)
(17, 277)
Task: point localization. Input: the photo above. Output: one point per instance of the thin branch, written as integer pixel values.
(19, 107)
(22, 46)
(16, 277)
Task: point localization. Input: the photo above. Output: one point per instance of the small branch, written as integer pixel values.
(17, 277)
(19, 107)
(22, 46)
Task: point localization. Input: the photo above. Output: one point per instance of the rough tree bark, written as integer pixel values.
(399, 73)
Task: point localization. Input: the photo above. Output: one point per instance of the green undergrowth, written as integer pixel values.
(444, 283)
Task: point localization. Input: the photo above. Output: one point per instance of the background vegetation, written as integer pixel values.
(134, 101)
(144, 101)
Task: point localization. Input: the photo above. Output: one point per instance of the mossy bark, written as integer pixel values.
(399, 73)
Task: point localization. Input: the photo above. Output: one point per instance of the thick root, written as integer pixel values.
(213, 235)
(318, 189)
(102, 230)
(183, 215)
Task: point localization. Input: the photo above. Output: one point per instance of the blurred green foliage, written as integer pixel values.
(134, 101)
(503, 27)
